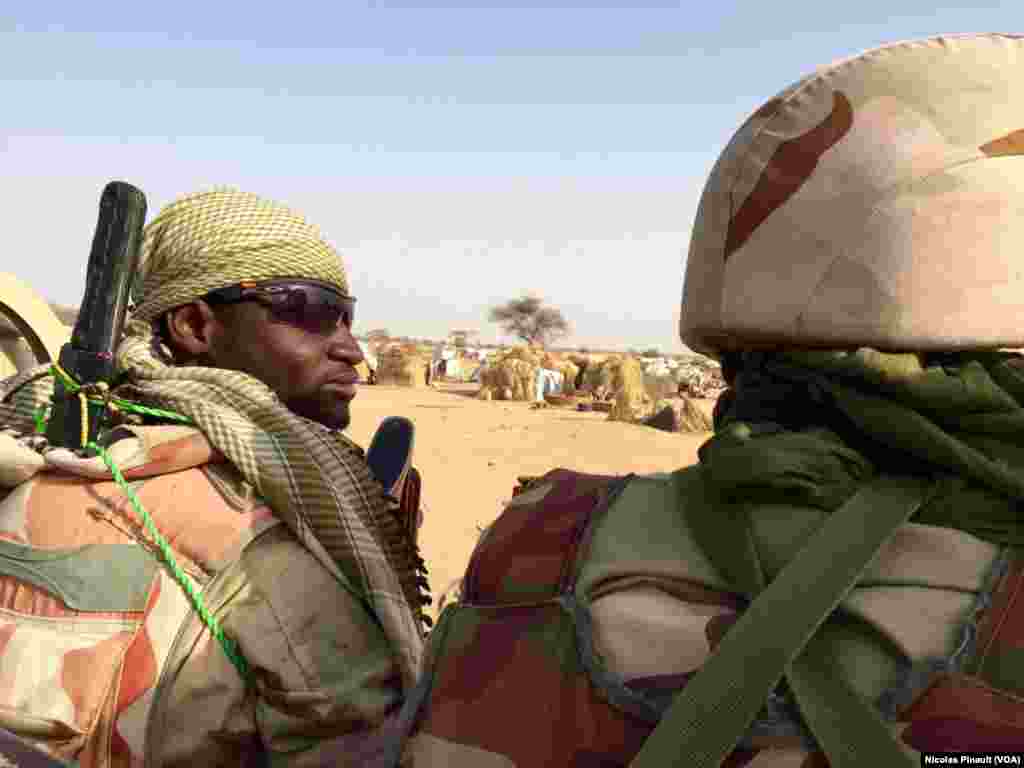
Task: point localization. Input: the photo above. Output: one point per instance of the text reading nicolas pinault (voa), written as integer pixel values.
(972, 758)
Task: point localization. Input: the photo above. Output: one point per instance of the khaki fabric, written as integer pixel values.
(877, 202)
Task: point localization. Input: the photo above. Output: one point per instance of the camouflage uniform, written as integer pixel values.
(102, 659)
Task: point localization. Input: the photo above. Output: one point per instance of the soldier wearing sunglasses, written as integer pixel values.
(310, 629)
(294, 335)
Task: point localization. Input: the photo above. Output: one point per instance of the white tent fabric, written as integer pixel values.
(548, 382)
(371, 359)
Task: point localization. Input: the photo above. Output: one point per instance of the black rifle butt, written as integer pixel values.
(112, 263)
(90, 355)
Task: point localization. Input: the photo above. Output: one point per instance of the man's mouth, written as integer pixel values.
(345, 386)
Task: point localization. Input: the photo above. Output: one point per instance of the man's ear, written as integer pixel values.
(192, 330)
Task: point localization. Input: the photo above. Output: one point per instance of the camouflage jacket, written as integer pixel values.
(589, 605)
(102, 659)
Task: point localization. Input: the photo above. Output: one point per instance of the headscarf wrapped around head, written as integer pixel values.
(215, 239)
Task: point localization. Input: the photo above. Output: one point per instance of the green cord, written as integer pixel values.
(228, 644)
(195, 598)
(73, 387)
(40, 417)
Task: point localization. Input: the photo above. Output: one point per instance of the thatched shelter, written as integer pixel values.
(631, 402)
(402, 366)
(660, 386)
(509, 377)
(679, 414)
(569, 373)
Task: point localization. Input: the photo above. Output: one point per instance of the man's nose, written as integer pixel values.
(343, 346)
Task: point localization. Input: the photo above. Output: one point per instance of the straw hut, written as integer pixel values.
(511, 375)
(526, 354)
(679, 414)
(631, 402)
(402, 366)
(569, 373)
(660, 385)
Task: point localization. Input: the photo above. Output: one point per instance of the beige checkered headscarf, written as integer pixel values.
(215, 239)
(317, 481)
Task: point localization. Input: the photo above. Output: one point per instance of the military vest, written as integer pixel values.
(587, 606)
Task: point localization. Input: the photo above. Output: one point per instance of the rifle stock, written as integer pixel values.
(90, 355)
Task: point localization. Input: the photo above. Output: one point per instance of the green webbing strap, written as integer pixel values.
(849, 729)
(710, 716)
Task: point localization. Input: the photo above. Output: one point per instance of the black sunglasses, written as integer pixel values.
(311, 306)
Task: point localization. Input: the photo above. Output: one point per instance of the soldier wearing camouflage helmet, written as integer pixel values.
(838, 581)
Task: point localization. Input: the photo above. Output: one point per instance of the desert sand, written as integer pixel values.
(471, 452)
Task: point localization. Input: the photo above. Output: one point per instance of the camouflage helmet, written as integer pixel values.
(877, 202)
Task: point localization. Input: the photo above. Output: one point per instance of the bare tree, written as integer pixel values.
(528, 318)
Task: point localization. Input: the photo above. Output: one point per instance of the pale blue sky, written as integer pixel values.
(456, 155)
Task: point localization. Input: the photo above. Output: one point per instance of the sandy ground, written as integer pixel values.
(471, 452)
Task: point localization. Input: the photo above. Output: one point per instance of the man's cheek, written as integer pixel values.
(300, 380)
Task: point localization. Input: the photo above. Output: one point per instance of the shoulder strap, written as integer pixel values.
(710, 716)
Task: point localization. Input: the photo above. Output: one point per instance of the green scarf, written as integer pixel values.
(809, 427)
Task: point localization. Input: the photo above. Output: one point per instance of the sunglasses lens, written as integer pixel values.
(314, 309)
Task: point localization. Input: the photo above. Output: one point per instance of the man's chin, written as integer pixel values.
(338, 418)
(333, 416)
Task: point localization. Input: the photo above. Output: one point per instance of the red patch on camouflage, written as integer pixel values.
(6, 633)
(175, 456)
(788, 169)
(490, 700)
(558, 716)
(1002, 626)
(955, 735)
(138, 671)
(138, 675)
(87, 673)
(531, 547)
(960, 713)
(500, 633)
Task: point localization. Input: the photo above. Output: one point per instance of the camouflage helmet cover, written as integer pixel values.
(877, 202)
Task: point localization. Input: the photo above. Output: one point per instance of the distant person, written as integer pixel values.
(242, 323)
(839, 581)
